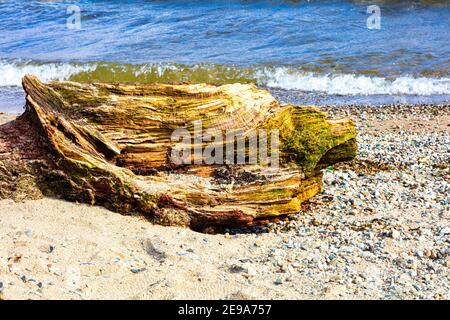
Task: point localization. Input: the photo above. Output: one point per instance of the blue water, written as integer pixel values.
(321, 47)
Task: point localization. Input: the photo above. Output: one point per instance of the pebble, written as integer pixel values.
(137, 270)
(246, 267)
(395, 234)
(278, 281)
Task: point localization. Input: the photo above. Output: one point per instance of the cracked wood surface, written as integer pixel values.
(109, 144)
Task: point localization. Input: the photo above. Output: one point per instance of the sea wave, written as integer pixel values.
(350, 84)
(12, 72)
(289, 78)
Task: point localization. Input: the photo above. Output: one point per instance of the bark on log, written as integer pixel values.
(110, 144)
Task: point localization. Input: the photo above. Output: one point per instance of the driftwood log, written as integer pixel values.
(111, 144)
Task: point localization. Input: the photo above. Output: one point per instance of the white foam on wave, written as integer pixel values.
(11, 73)
(349, 84)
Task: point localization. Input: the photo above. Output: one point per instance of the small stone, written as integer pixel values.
(246, 268)
(433, 255)
(137, 270)
(155, 250)
(258, 243)
(236, 268)
(395, 234)
(362, 246)
(47, 249)
(278, 281)
(444, 231)
(250, 269)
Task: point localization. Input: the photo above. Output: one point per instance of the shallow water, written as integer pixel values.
(312, 48)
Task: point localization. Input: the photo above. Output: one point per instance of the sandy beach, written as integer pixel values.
(123, 175)
(380, 230)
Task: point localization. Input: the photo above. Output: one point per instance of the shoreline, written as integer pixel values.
(380, 230)
(12, 99)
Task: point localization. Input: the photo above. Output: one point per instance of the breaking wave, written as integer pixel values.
(288, 78)
(349, 84)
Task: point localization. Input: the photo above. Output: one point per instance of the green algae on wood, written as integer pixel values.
(307, 137)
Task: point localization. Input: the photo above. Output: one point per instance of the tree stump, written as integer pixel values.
(113, 145)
